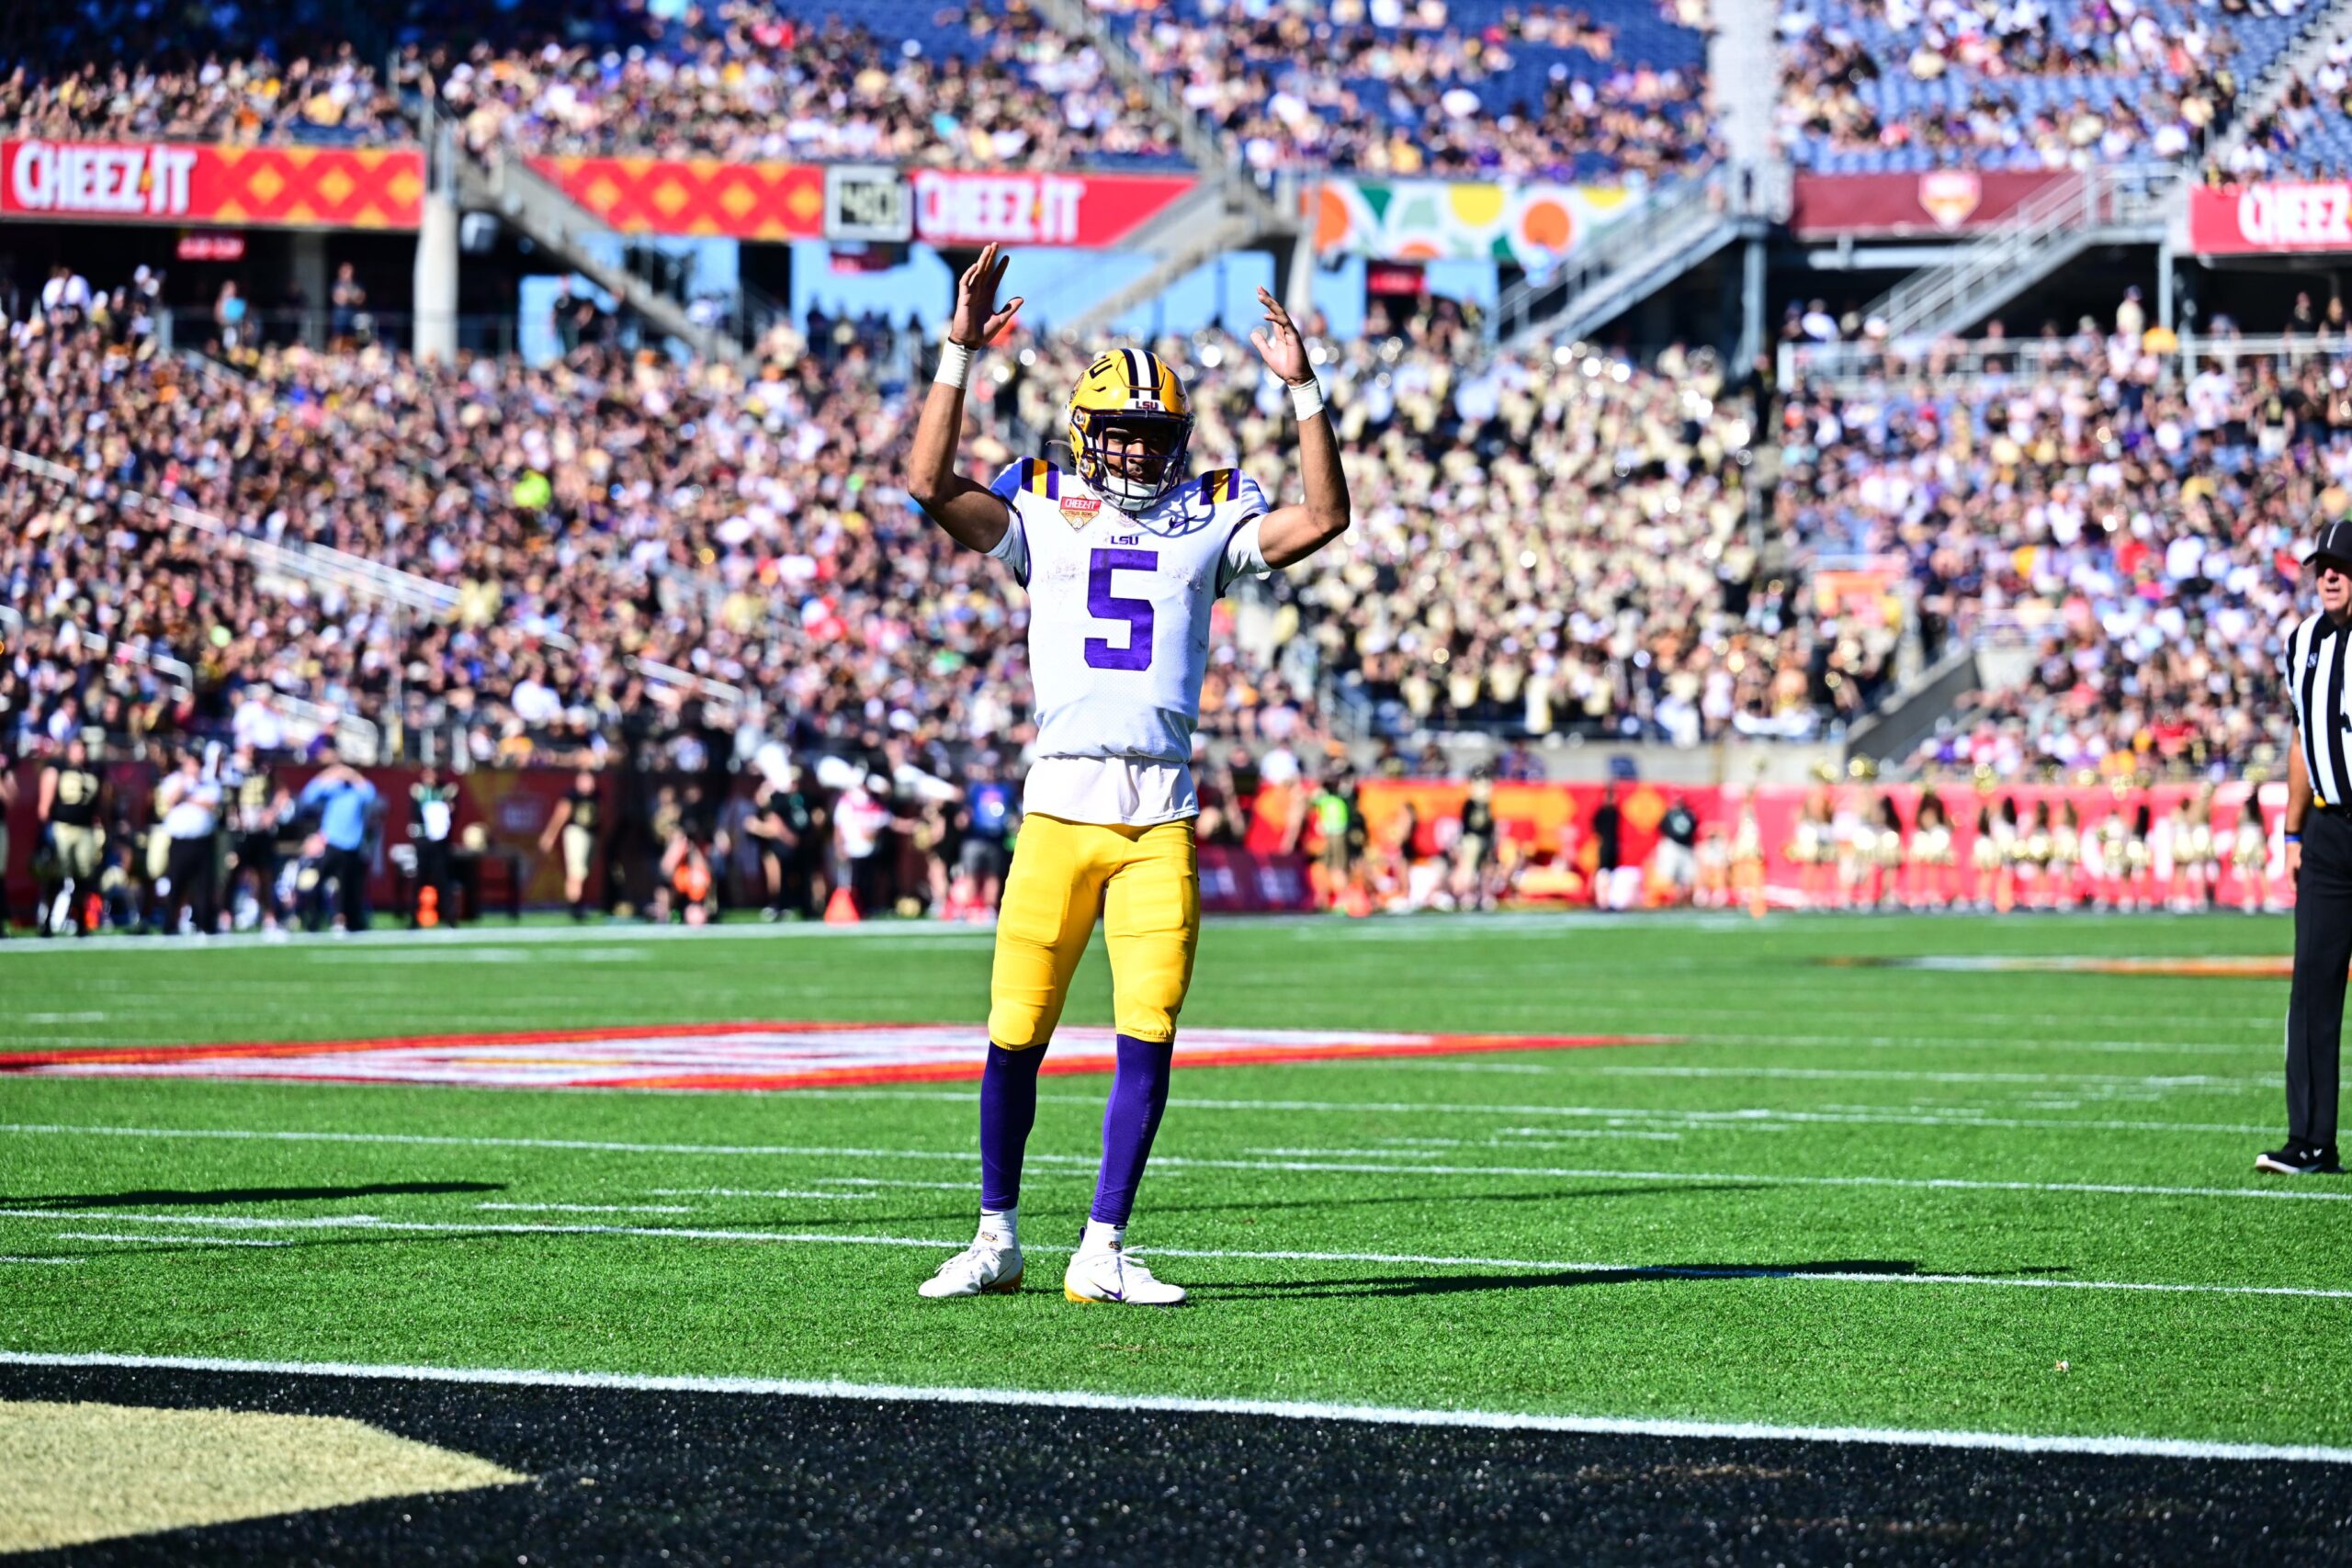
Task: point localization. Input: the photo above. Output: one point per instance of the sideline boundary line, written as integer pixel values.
(1079, 1399)
(1633, 1273)
(1759, 1180)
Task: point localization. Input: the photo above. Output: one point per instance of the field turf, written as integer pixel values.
(1958, 1198)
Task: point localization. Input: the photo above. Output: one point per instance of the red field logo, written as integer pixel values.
(737, 1055)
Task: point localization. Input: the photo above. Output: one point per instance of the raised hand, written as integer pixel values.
(1278, 344)
(977, 323)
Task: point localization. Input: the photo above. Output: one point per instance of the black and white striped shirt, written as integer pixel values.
(2314, 670)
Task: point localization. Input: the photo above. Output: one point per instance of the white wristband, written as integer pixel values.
(955, 365)
(1307, 399)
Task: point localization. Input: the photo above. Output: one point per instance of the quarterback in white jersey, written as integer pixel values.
(1119, 629)
(1124, 556)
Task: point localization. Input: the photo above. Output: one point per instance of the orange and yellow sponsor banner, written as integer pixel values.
(695, 196)
(168, 182)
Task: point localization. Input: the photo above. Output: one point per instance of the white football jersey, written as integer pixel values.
(1119, 609)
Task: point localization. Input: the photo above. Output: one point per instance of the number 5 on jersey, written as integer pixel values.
(1105, 604)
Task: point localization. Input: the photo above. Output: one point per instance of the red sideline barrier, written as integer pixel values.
(512, 806)
(1552, 822)
(1235, 882)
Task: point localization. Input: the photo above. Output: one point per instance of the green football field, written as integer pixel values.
(1959, 1194)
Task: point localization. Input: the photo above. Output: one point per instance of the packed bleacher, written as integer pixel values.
(2125, 524)
(1902, 86)
(1466, 89)
(974, 87)
(2307, 134)
(612, 510)
(1473, 87)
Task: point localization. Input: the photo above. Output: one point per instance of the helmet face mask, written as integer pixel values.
(1130, 428)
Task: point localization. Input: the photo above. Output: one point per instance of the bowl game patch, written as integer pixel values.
(738, 1055)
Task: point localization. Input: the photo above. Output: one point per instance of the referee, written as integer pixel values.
(2318, 860)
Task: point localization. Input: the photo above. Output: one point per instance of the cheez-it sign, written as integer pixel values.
(232, 186)
(953, 208)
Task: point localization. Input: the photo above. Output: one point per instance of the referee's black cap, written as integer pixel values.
(2335, 543)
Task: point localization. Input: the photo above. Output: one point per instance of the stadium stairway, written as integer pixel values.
(1246, 213)
(2127, 205)
(2297, 61)
(537, 206)
(1678, 228)
(1896, 728)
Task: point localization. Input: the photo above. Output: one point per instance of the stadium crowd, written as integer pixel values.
(2126, 521)
(751, 83)
(658, 562)
(1345, 90)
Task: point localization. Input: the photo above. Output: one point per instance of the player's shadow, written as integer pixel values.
(956, 1208)
(1450, 1284)
(174, 1197)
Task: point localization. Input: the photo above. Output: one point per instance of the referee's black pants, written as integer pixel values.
(348, 870)
(189, 868)
(2323, 951)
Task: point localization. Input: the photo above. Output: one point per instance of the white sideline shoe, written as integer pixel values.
(1110, 1275)
(983, 1269)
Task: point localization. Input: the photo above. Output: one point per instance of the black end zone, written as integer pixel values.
(630, 1476)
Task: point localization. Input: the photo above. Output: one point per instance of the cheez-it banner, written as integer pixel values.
(2246, 220)
(954, 208)
(303, 187)
(695, 196)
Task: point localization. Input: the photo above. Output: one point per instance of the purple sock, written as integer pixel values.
(1138, 1095)
(1007, 1109)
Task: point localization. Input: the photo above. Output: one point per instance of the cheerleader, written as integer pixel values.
(2030, 855)
(2204, 853)
(1748, 859)
(2066, 858)
(1985, 855)
(1885, 845)
(2250, 854)
(2103, 859)
(1851, 837)
(1814, 851)
(1931, 854)
(2168, 855)
(2137, 857)
(1710, 887)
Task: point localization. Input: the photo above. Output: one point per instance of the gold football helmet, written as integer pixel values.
(1134, 391)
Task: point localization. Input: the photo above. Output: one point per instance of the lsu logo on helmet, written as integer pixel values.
(1133, 390)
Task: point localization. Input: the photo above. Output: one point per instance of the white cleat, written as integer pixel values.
(1110, 1275)
(983, 1269)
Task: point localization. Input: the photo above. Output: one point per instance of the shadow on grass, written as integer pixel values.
(1449, 1285)
(960, 1209)
(173, 1197)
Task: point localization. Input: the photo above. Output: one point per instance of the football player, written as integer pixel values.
(1122, 555)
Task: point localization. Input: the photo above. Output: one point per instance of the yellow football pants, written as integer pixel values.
(1145, 883)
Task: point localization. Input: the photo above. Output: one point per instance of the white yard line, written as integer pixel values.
(588, 1207)
(1331, 1163)
(1904, 1075)
(163, 1240)
(373, 1225)
(796, 1193)
(1890, 1116)
(5, 1259)
(1290, 1410)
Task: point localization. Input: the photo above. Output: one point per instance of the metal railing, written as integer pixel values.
(321, 565)
(320, 328)
(2050, 228)
(1671, 229)
(1946, 364)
